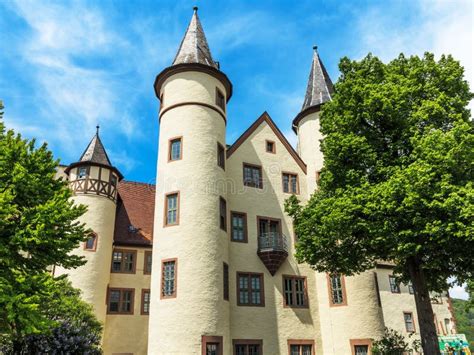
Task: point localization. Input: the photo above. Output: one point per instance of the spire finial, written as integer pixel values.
(315, 47)
(195, 9)
(97, 129)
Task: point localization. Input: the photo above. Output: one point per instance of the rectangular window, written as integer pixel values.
(226, 281)
(290, 183)
(220, 156)
(270, 146)
(148, 261)
(211, 345)
(82, 172)
(123, 261)
(113, 180)
(145, 301)
(361, 349)
(250, 289)
(220, 99)
(409, 324)
(247, 347)
(222, 214)
(120, 300)
(172, 209)
(394, 285)
(168, 278)
(91, 242)
(269, 231)
(337, 290)
(253, 176)
(411, 290)
(447, 325)
(175, 149)
(361, 346)
(239, 227)
(301, 347)
(294, 289)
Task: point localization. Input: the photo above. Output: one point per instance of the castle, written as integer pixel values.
(202, 263)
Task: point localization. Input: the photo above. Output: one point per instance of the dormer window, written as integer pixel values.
(220, 99)
(82, 172)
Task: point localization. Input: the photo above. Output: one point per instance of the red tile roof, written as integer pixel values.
(134, 217)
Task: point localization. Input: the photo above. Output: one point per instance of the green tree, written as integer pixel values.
(38, 228)
(464, 315)
(397, 182)
(393, 343)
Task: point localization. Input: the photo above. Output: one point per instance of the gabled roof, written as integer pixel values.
(319, 89)
(194, 47)
(135, 214)
(95, 152)
(265, 117)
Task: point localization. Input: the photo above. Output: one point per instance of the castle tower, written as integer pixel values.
(190, 242)
(306, 123)
(93, 181)
(342, 311)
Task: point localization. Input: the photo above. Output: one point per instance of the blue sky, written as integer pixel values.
(67, 66)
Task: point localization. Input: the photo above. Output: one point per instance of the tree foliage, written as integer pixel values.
(394, 343)
(38, 229)
(397, 182)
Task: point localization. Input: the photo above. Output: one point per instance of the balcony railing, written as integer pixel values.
(272, 241)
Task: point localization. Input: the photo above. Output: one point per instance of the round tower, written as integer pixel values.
(190, 242)
(93, 181)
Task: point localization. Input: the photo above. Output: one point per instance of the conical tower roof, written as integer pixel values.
(194, 47)
(95, 152)
(320, 87)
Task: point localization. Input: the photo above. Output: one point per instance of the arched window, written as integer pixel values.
(91, 242)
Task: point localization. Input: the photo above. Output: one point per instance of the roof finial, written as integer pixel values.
(97, 129)
(195, 8)
(315, 47)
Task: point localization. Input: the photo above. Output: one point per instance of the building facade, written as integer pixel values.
(202, 263)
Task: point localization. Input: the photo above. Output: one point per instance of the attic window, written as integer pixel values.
(270, 146)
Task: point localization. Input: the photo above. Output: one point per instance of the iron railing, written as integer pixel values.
(274, 241)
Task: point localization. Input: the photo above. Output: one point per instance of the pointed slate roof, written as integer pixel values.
(320, 87)
(194, 47)
(95, 152)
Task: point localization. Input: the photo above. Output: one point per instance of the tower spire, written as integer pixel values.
(194, 47)
(320, 87)
(95, 151)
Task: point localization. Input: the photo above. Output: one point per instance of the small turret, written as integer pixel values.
(306, 124)
(94, 179)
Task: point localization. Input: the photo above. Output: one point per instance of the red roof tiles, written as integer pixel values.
(134, 217)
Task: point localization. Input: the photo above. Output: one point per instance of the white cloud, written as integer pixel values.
(458, 292)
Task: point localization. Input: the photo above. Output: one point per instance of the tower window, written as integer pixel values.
(226, 281)
(113, 180)
(361, 346)
(290, 183)
(145, 301)
(270, 146)
(394, 286)
(211, 345)
(168, 278)
(220, 99)
(253, 176)
(175, 149)
(172, 209)
(123, 261)
(247, 347)
(239, 227)
(220, 155)
(148, 263)
(301, 347)
(250, 289)
(91, 242)
(337, 290)
(295, 291)
(223, 214)
(82, 172)
(409, 324)
(120, 300)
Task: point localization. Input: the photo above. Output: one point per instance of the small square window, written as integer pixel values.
(123, 261)
(270, 146)
(82, 172)
(175, 149)
(120, 301)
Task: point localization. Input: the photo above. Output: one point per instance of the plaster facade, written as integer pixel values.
(206, 311)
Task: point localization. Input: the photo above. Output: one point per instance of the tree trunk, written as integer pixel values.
(429, 338)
